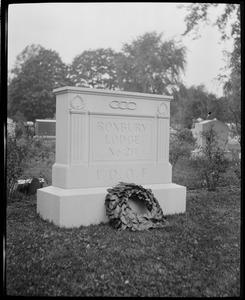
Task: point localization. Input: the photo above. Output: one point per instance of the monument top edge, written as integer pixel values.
(72, 89)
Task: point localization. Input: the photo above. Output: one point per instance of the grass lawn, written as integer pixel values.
(198, 255)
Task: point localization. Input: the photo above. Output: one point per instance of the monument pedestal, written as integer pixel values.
(171, 197)
(83, 207)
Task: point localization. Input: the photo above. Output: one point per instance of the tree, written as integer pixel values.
(149, 65)
(94, 69)
(29, 52)
(192, 103)
(201, 102)
(228, 22)
(38, 71)
(232, 101)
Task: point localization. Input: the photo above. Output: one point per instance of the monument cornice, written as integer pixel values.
(80, 90)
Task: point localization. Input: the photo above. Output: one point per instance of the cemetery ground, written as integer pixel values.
(198, 254)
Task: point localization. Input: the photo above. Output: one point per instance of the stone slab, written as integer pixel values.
(219, 127)
(82, 207)
(45, 128)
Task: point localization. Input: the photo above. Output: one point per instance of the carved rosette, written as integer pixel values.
(77, 104)
(162, 109)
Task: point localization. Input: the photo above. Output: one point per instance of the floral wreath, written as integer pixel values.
(120, 214)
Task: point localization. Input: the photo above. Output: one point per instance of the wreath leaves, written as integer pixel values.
(121, 215)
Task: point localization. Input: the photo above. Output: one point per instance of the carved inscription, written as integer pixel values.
(121, 138)
(119, 174)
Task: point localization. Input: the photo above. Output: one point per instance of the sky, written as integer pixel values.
(71, 28)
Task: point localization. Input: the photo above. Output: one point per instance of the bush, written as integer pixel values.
(211, 163)
(237, 168)
(181, 144)
(17, 154)
(42, 156)
(28, 158)
(234, 174)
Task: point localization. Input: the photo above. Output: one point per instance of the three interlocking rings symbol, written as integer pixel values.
(123, 105)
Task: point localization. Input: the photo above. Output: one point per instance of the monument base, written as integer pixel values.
(83, 207)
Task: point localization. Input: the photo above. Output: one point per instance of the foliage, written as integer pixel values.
(181, 144)
(41, 160)
(235, 166)
(146, 65)
(20, 129)
(149, 65)
(19, 117)
(28, 158)
(17, 158)
(99, 261)
(120, 214)
(30, 92)
(194, 102)
(94, 69)
(211, 163)
(229, 19)
(232, 100)
(29, 52)
(229, 25)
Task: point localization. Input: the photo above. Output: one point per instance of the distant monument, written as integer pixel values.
(45, 128)
(103, 138)
(219, 127)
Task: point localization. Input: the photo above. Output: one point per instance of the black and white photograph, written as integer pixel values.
(123, 149)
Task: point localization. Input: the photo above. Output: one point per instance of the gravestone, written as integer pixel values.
(102, 138)
(45, 128)
(219, 127)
